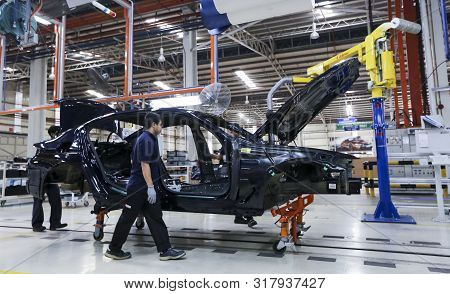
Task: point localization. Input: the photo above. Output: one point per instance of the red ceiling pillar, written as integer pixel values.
(402, 65)
(415, 66)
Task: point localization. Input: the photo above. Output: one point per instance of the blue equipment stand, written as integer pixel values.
(385, 211)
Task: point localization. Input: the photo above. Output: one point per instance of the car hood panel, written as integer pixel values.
(301, 108)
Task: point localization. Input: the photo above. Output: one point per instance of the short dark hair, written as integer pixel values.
(54, 131)
(150, 119)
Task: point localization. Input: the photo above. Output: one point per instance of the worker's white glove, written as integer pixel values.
(151, 195)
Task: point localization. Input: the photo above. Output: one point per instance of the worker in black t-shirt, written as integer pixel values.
(143, 195)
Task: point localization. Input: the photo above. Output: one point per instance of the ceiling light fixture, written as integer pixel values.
(161, 85)
(243, 76)
(151, 20)
(95, 93)
(349, 109)
(165, 26)
(243, 117)
(161, 57)
(42, 20)
(52, 74)
(9, 69)
(314, 35)
(177, 101)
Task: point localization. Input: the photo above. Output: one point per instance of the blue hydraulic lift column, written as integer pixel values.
(385, 211)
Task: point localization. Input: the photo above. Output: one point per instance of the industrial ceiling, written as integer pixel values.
(265, 50)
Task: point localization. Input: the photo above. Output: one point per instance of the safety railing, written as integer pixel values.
(371, 182)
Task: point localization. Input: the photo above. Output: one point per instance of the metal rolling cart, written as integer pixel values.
(182, 172)
(13, 185)
(72, 199)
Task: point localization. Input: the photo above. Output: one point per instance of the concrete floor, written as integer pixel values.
(336, 243)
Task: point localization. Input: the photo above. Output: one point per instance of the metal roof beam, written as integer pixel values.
(251, 42)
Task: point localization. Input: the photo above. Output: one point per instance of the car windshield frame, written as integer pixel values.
(221, 123)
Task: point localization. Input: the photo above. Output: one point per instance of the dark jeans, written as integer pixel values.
(137, 202)
(54, 198)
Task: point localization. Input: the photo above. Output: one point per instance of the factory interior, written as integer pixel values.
(295, 136)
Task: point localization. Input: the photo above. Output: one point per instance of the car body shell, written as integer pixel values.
(260, 175)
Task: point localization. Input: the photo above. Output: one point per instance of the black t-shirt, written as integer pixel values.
(145, 149)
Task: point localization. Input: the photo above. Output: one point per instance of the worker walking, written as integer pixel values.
(144, 195)
(54, 199)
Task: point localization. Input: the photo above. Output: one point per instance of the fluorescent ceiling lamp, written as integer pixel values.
(161, 85)
(151, 20)
(84, 54)
(325, 12)
(42, 20)
(177, 101)
(243, 76)
(349, 109)
(181, 35)
(95, 93)
(325, 3)
(8, 69)
(243, 117)
(165, 26)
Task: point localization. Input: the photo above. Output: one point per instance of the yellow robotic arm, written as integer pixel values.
(374, 53)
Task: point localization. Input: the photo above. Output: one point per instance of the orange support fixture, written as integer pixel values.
(153, 95)
(213, 78)
(291, 216)
(141, 7)
(99, 225)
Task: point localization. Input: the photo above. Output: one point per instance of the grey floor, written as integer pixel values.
(336, 243)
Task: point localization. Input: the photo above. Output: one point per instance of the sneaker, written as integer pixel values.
(120, 255)
(172, 254)
(240, 220)
(39, 229)
(60, 226)
(251, 222)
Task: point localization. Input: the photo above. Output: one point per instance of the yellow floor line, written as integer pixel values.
(12, 273)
